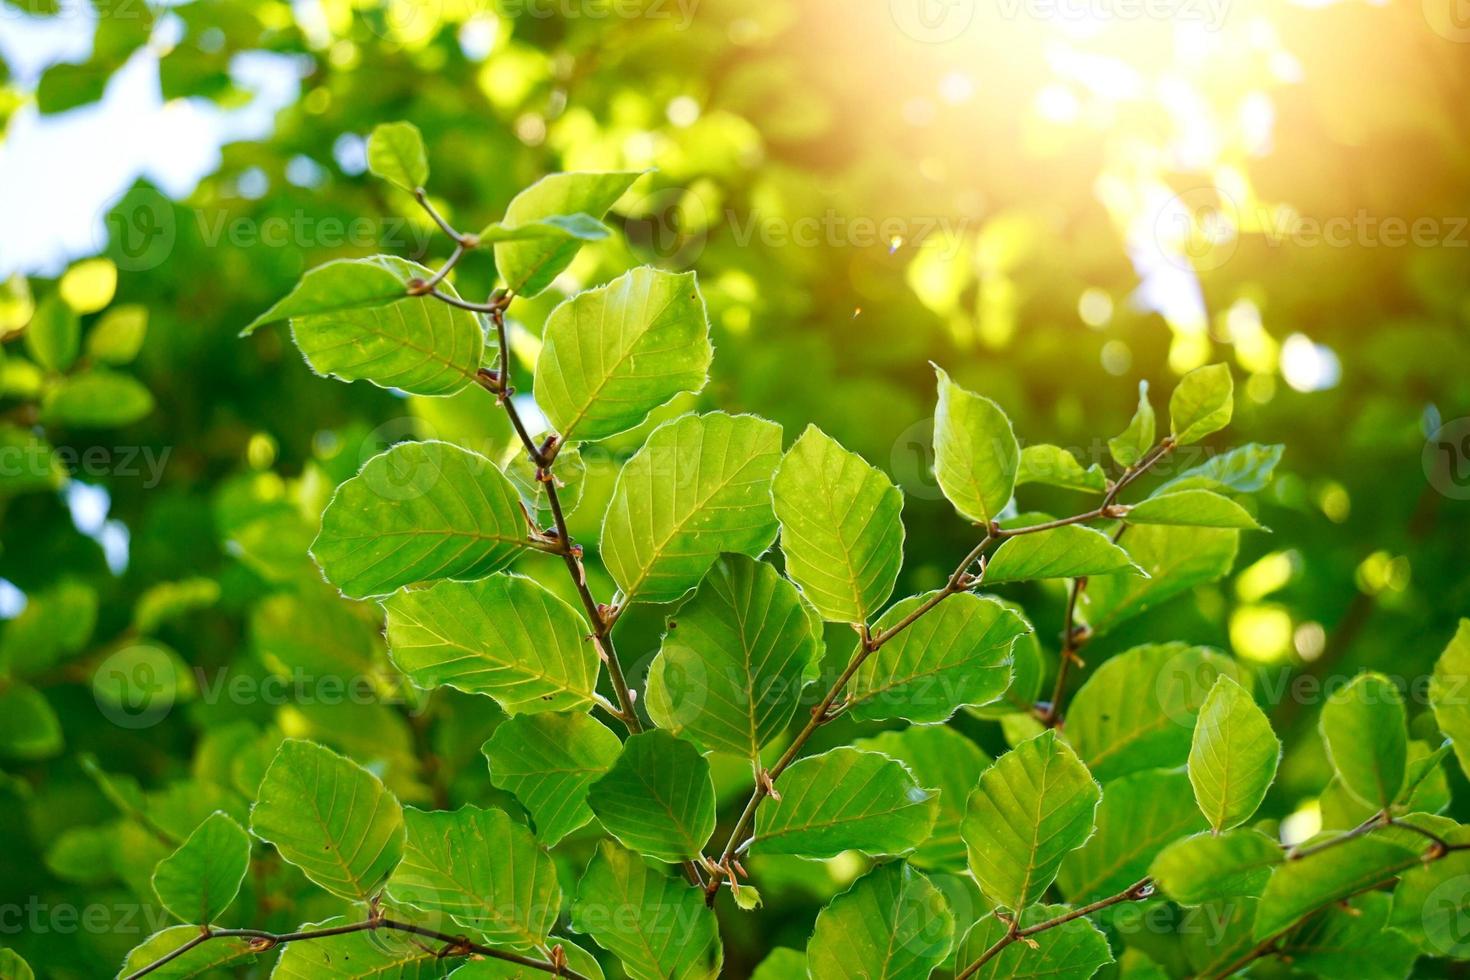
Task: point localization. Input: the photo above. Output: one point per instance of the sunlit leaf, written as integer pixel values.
(528, 267)
(330, 817)
(975, 452)
(1365, 729)
(395, 152)
(1244, 469)
(1297, 888)
(1071, 551)
(892, 924)
(1136, 440)
(1233, 757)
(548, 761)
(1208, 868)
(204, 960)
(1072, 951)
(1138, 816)
(844, 800)
(942, 760)
(1057, 467)
(658, 798)
(700, 486)
(419, 512)
(54, 335)
(1032, 808)
(1449, 693)
(338, 286)
(360, 956)
(1176, 559)
(1191, 508)
(198, 881)
(840, 527)
(1202, 403)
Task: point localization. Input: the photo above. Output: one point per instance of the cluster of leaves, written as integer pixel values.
(1145, 795)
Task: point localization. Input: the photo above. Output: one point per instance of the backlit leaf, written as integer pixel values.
(658, 798)
(395, 152)
(361, 956)
(204, 960)
(1176, 559)
(1136, 440)
(1072, 951)
(975, 452)
(892, 924)
(1449, 693)
(1139, 815)
(198, 881)
(1244, 469)
(1297, 888)
(1192, 508)
(1202, 403)
(1057, 467)
(528, 267)
(1365, 729)
(1207, 868)
(1233, 757)
(942, 760)
(338, 286)
(548, 761)
(1071, 551)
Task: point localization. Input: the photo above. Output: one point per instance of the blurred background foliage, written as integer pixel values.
(1053, 208)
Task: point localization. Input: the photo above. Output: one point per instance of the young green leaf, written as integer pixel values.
(1210, 867)
(657, 927)
(1430, 900)
(416, 344)
(54, 334)
(528, 267)
(658, 799)
(505, 636)
(957, 655)
(395, 152)
(329, 817)
(1138, 438)
(1175, 560)
(338, 286)
(1365, 729)
(1192, 508)
(1140, 814)
(1202, 403)
(1032, 808)
(612, 355)
(697, 488)
(1449, 693)
(976, 455)
(1138, 709)
(1244, 469)
(13, 967)
(729, 673)
(892, 924)
(483, 870)
(97, 399)
(317, 636)
(206, 959)
(844, 800)
(29, 728)
(840, 527)
(583, 227)
(782, 963)
(419, 512)
(1233, 757)
(941, 759)
(570, 476)
(548, 761)
(359, 956)
(1074, 950)
(198, 881)
(1057, 467)
(1298, 888)
(1070, 551)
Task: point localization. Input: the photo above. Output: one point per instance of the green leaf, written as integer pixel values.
(1244, 469)
(1449, 693)
(1138, 709)
(782, 963)
(1175, 559)
(395, 152)
(612, 355)
(1138, 438)
(338, 286)
(1208, 868)
(1070, 551)
(1300, 887)
(697, 488)
(944, 761)
(1233, 757)
(1057, 467)
(34, 463)
(1192, 508)
(570, 474)
(1028, 664)
(29, 728)
(957, 655)
(54, 335)
(658, 798)
(505, 636)
(1140, 814)
(1202, 403)
(198, 881)
(844, 800)
(1216, 936)
(528, 267)
(483, 870)
(12, 967)
(361, 956)
(118, 336)
(841, 530)
(729, 672)
(1033, 807)
(1430, 901)
(330, 817)
(297, 635)
(419, 512)
(1074, 950)
(976, 455)
(97, 399)
(892, 924)
(1351, 940)
(563, 226)
(1365, 729)
(548, 761)
(417, 344)
(657, 927)
(204, 960)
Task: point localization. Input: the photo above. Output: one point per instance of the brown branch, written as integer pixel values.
(261, 940)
